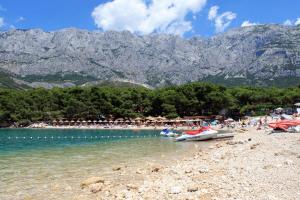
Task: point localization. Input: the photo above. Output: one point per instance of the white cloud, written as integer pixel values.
(288, 22)
(297, 22)
(222, 21)
(248, 23)
(1, 22)
(213, 11)
(147, 16)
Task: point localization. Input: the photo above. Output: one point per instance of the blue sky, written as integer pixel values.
(188, 17)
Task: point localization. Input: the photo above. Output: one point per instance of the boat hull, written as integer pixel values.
(206, 135)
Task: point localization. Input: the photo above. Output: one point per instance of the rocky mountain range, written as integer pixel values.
(264, 55)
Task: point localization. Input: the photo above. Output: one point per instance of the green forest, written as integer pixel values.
(23, 107)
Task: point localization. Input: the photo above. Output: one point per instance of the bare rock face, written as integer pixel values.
(251, 55)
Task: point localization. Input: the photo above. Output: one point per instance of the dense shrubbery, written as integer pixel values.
(26, 106)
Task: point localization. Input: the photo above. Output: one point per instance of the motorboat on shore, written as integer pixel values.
(204, 133)
(167, 133)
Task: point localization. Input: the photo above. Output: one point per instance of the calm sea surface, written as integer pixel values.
(50, 164)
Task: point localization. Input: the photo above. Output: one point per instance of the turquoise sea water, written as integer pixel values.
(50, 164)
(14, 140)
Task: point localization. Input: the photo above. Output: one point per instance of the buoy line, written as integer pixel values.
(75, 137)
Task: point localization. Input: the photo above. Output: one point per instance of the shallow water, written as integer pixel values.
(50, 164)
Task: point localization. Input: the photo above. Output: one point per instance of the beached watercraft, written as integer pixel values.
(167, 133)
(285, 125)
(204, 133)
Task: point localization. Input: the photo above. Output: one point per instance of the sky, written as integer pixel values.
(180, 17)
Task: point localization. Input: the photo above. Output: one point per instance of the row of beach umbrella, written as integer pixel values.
(121, 120)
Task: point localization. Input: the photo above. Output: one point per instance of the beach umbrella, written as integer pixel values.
(72, 121)
(100, 121)
(54, 121)
(150, 118)
(177, 119)
(95, 121)
(160, 118)
(297, 104)
(83, 121)
(89, 121)
(138, 119)
(105, 121)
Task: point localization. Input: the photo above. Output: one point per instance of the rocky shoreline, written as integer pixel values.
(254, 165)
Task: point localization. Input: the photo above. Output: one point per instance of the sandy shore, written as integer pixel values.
(254, 165)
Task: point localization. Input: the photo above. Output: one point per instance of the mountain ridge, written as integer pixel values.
(261, 55)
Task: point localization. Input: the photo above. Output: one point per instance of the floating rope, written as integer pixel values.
(76, 137)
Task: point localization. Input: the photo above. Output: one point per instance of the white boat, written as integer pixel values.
(167, 133)
(204, 133)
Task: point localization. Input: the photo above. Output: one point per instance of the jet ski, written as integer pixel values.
(167, 133)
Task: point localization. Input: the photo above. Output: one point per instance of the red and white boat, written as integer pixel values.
(204, 133)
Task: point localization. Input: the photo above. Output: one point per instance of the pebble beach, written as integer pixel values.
(253, 165)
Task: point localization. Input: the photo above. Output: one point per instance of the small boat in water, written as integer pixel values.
(204, 133)
(167, 133)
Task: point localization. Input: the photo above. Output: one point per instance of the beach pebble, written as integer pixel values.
(203, 170)
(131, 187)
(289, 162)
(175, 190)
(156, 168)
(192, 188)
(231, 142)
(219, 145)
(116, 168)
(253, 146)
(268, 167)
(91, 180)
(97, 187)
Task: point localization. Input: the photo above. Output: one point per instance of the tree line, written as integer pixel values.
(23, 107)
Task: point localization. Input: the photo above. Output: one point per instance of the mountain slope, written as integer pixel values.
(259, 55)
